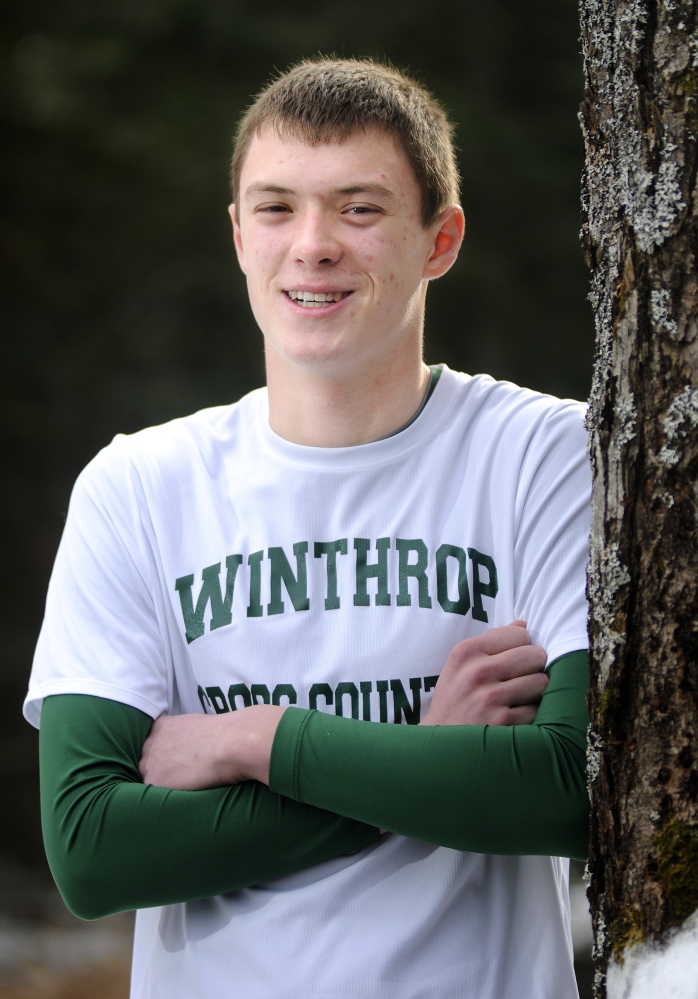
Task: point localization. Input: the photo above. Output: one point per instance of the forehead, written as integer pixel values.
(371, 157)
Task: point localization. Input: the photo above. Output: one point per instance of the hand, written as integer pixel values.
(193, 752)
(494, 679)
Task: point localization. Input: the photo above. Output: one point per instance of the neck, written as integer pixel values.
(341, 409)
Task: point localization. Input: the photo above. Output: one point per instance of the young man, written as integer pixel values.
(314, 554)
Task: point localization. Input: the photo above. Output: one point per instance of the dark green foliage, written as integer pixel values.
(122, 303)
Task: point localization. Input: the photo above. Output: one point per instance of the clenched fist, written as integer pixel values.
(496, 678)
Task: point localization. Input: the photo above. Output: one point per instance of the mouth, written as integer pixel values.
(316, 299)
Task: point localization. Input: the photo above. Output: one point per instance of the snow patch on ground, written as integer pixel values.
(668, 970)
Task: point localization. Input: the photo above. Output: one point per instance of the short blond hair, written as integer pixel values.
(327, 100)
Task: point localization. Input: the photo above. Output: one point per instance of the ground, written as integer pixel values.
(46, 953)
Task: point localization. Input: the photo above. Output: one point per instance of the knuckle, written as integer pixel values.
(467, 648)
(501, 717)
(489, 642)
(490, 700)
(480, 672)
(512, 634)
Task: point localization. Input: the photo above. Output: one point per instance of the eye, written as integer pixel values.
(273, 209)
(363, 215)
(361, 210)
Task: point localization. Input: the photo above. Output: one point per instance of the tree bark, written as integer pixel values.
(640, 124)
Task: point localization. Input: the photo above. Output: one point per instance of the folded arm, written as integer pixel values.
(490, 788)
(487, 789)
(468, 777)
(114, 843)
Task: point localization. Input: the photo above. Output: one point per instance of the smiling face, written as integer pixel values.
(336, 257)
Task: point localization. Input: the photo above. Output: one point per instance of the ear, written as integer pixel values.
(448, 235)
(237, 238)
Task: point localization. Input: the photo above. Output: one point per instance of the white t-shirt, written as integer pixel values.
(208, 564)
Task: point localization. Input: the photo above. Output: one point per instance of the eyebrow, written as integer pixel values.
(267, 189)
(366, 189)
(353, 189)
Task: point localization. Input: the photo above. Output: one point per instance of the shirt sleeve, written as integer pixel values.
(486, 789)
(114, 843)
(552, 522)
(105, 631)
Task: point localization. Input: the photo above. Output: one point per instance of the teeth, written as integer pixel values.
(312, 299)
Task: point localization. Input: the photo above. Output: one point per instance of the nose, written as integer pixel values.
(315, 240)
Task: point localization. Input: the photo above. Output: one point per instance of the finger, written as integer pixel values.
(521, 624)
(522, 690)
(504, 666)
(518, 662)
(524, 714)
(496, 640)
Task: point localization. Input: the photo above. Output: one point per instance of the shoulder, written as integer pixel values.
(172, 452)
(518, 417)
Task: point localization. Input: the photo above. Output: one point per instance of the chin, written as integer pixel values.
(315, 349)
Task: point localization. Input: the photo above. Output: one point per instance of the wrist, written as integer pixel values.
(247, 750)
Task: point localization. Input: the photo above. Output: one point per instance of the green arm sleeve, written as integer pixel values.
(114, 843)
(488, 789)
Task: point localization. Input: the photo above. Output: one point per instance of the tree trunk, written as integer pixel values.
(640, 119)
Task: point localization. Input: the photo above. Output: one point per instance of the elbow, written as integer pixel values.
(82, 893)
(83, 879)
(571, 804)
(573, 841)
(569, 818)
(84, 896)
(579, 835)
(85, 903)
(82, 905)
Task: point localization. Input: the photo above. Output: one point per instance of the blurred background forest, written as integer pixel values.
(122, 302)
